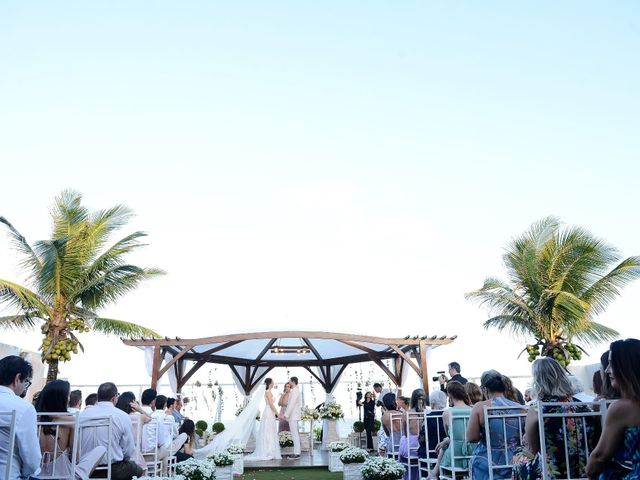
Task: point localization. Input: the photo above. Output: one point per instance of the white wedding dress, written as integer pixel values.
(267, 441)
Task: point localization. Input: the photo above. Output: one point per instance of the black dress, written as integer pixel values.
(369, 419)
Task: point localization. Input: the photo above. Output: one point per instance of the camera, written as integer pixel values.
(435, 379)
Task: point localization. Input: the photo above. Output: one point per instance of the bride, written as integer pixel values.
(267, 441)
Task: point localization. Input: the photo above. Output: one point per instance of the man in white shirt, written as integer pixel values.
(15, 378)
(120, 444)
(75, 401)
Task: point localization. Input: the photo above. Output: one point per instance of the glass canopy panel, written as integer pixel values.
(247, 349)
(205, 347)
(300, 357)
(333, 348)
(378, 347)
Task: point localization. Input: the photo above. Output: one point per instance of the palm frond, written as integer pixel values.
(606, 289)
(596, 333)
(18, 322)
(113, 256)
(61, 266)
(21, 298)
(515, 324)
(68, 213)
(499, 297)
(109, 326)
(29, 259)
(105, 222)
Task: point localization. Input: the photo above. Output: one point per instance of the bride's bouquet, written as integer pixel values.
(309, 414)
(331, 411)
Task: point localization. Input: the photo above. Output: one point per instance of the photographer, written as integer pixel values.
(454, 372)
(369, 405)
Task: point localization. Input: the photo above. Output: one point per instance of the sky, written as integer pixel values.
(338, 166)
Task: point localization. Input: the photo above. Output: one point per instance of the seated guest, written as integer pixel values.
(15, 378)
(493, 386)
(597, 385)
(186, 451)
(435, 426)
(392, 425)
(578, 389)
(403, 404)
(528, 394)
(473, 392)
(154, 433)
(617, 454)
(455, 431)
(551, 384)
(177, 407)
(91, 400)
(56, 442)
(609, 392)
(409, 441)
(75, 401)
(127, 403)
(171, 403)
(120, 444)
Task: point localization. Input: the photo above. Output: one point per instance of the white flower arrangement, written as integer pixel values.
(193, 469)
(353, 455)
(309, 414)
(235, 449)
(286, 439)
(221, 459)
(381, 468)
(331, 411)
(338, 446)
(177, 477)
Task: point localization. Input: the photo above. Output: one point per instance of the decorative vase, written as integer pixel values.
(238, 464)
(224, 473)
(335, 464)
(352, 471)
(286, 451)
(329, 433)
(305, 442)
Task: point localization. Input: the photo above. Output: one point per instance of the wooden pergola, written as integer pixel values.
(251, 356)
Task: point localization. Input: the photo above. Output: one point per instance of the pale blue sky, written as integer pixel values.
(348, 166)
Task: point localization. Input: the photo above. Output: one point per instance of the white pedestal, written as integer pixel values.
(286, 451)
(352, 471)
(329, 433)
(238, 464)
(305, 442)
(335, 465)
(224, 473)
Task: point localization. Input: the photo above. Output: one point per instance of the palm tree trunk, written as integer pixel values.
(52, 372)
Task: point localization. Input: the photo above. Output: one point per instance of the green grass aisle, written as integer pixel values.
(291, 474)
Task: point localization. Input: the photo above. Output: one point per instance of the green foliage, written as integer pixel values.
(73, 275)
(376, 425)
(218, 427)
(202, 425)
(559, 281)
(358, 426)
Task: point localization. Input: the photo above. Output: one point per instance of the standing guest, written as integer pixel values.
(186, 451)
(369, 407)
(474, 392)
(15, 378)
(551, 385)
(403, 404)
(91, 400)
(75, 401)
(177, 408)
(617, 454)
(56, 442)
(127, 403)
(454, 372)
(283, 425)
(380, 394)
(503, 440)
(120, 444)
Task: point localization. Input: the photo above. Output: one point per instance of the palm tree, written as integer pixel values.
(560, 279)
(72, 276)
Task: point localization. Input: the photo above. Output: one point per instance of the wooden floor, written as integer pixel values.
(317, 458)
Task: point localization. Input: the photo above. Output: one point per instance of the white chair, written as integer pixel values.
(395, 433)
(57, 463)
(577, 421)
(154, 462)
(413, 426)
(459, 450)
(504, 432)
(433, 427)
(91, 434)
(7, 440)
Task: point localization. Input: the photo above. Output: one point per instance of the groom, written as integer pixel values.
(292, 415)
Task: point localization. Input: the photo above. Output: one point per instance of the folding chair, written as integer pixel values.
(413, 426)
(88, 439)
(154, 463)
(577, 422)
(7, 440)
(395, 433)
(53, 465)
(459, 450)
(504, 431)
(433, 427)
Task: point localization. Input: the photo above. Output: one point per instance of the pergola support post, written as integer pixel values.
(155, 369)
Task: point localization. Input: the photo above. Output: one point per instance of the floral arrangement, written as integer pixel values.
(353, 455)
(338, 446)
(286, 439)
(221, 459)
(331, 411)
(309, 414)
(193, 469)
(381, 468)
(177, 477)
(235, 449)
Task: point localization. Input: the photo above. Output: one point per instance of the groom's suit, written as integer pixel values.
(292, 413)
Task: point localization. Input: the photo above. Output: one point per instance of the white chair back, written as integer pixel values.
(7, 441)
(96, 432)
(504, 428)
(433, 426)
(395, 433)
(459, 450)
(154, 463)
(413, 422)
(58, 463)
(577, 423)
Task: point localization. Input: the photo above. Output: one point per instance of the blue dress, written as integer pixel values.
(479, 463)
(626, 462)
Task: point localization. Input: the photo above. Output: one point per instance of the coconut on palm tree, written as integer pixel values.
(559, 280)
(72, 276)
